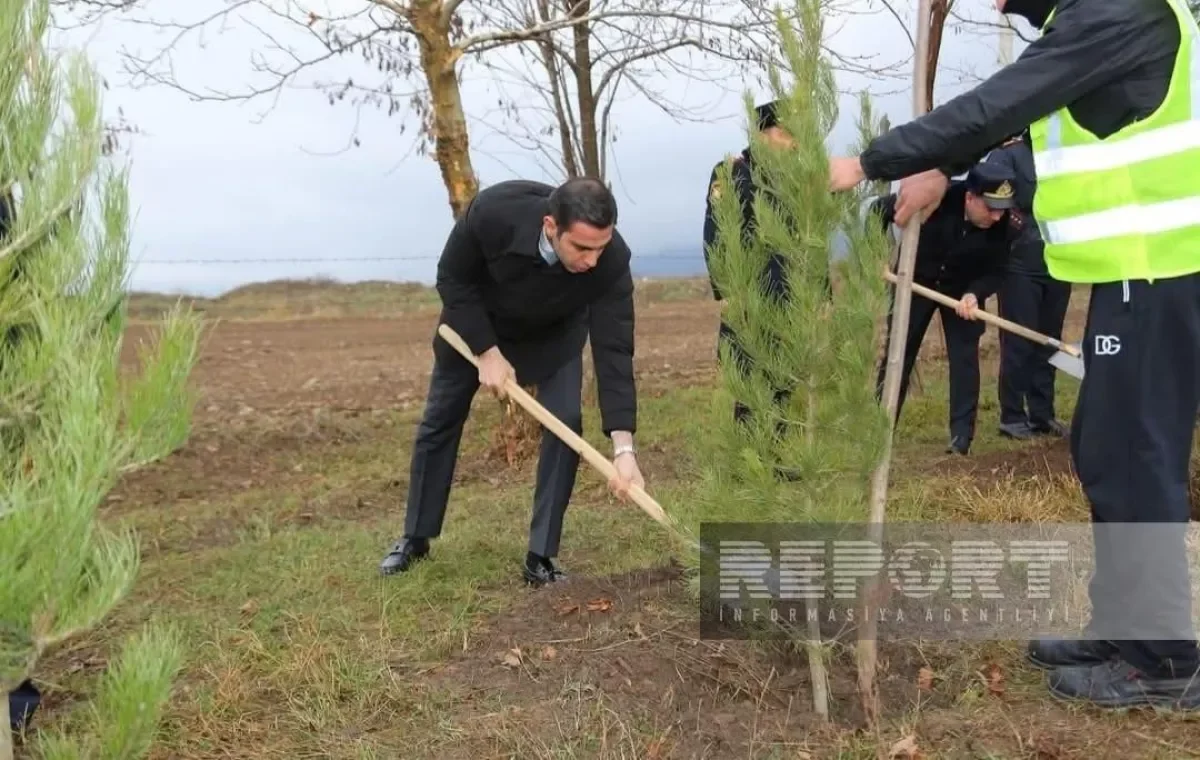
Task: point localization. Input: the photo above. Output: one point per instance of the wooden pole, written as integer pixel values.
(868, 652)
(564, 433)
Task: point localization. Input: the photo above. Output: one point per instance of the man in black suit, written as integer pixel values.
(962, 251)
(528, 274)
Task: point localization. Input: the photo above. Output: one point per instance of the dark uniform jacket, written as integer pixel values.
(1109, 61)
(741, 172)
(1028, 250)
(497, 290)
(954, 256)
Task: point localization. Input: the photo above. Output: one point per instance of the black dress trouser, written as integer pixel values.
(1131, 442)
(1026, 385)
(962, 349)
(452, 388)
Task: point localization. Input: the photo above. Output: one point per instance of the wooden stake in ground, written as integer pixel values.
(868, 654)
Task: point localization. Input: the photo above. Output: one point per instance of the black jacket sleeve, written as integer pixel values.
(743, 183)
(1090, 43)
(461, 271)
(883, 208)
(611, 323)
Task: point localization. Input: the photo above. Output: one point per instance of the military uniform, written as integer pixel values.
(955, 257)
(1029, 296)
(774, 278)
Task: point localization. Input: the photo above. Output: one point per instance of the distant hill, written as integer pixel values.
(690, 262)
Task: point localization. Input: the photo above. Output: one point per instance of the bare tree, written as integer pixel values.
(415, 55)
(569, 80)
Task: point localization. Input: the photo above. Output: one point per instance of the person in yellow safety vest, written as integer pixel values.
(1111, 95)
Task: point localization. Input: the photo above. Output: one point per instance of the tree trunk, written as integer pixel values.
(937, 22)
(550, 61)
(448, 122)
(585, 90)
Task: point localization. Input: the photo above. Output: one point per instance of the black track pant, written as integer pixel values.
(1026, 386)
(1131, 441)
(962, 348)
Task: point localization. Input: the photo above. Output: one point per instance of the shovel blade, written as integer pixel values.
(1072, 365)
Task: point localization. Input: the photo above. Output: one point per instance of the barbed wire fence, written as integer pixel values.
(354, 259)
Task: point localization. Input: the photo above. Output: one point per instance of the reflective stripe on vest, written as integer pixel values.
(1128, 206)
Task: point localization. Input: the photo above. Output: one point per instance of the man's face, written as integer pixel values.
(980, 214)
(579, 246)
(779, 137)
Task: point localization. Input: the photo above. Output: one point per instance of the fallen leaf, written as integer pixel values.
(512, 658)
(995, 679)
(637, 631)
(250, 607)
(549, 652)
(925, 679)
(906, 749)
(566, 608)
(599, 605)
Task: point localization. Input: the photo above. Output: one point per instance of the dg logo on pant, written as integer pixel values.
(1107, 345)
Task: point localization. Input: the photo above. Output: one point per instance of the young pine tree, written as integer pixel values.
(818, 347)
(69, 422)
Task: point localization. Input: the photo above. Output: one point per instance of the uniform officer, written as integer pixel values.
(961, 253)
(1111, 95)
(1029, 297)
(742, 174)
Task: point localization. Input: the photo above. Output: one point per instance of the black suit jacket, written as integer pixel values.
(954, 256)
(497, 290)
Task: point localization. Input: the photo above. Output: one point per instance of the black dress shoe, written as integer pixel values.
(958, 445)
(403, 555)
(1053, 427)
(539, 571)
(1117, 685)
(1058, 653)
(1018, 430)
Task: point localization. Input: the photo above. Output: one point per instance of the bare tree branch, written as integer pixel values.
(573, 63)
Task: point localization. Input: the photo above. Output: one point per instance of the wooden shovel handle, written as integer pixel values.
(987, 316)
(556, 426)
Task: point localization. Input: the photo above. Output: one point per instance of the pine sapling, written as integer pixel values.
(68, 425)
(808, 380)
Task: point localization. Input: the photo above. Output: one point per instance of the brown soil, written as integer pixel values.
(275, 394)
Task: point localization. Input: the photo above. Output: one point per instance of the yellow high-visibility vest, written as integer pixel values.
(1128, 206)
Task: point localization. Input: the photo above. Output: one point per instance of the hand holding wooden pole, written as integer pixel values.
(565, 434)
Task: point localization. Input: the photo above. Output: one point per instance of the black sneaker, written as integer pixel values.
(1118, 685)
(1048, 654)
(958, 445)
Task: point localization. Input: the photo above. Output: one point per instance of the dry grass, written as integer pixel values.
(262, 536)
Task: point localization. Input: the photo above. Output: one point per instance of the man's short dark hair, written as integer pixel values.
(583, 199)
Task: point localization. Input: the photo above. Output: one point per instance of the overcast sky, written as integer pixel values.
(214, 181)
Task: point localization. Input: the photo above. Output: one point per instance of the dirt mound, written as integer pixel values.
(628, 648)
(1042, 460)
